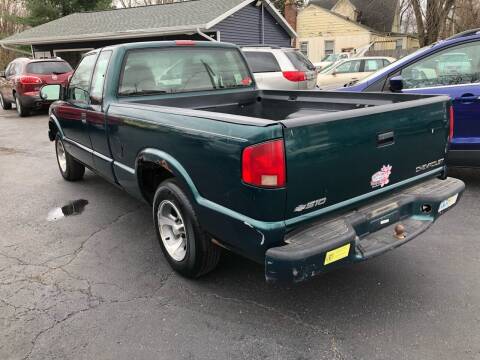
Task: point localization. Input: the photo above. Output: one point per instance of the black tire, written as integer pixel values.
(69, 167)
(5, 105)
(22, 111)
(202, 256)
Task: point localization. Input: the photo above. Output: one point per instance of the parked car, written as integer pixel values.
(23, 79)
(276, 68)
(331, 59)
(349, 71)
(301, 181)
(450, 67)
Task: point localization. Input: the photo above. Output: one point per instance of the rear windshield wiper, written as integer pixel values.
(58, 72)
(210, 73)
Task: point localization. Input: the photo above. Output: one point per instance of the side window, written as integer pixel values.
(12, 69)
(8, 70)
(98, 79)
(452, 66)
(304, 48)
(329, 47)
(373, 65)
(80, 82)
(262, 62)
(348, 67)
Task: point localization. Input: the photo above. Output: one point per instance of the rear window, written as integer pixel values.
(262, 62)
(48, 67)
(182, 69)
(299, 60)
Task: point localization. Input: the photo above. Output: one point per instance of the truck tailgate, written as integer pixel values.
(338, 159)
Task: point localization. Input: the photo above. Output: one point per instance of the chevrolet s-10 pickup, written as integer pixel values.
(303, 182)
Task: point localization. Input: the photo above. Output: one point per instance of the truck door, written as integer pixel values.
(454, 71)
(96, 118)
(72, 113)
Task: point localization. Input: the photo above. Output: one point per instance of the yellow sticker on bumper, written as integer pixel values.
(337, 254)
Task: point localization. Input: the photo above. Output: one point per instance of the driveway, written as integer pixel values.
(95, 286)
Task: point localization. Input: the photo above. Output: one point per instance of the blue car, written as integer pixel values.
(450, 67)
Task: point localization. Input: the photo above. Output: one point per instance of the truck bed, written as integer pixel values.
(281, 105)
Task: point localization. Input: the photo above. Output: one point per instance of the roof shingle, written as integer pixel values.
(169, 17)
(378, 15)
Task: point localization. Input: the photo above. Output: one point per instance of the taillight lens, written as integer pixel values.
(29, 80)
(452, 123)
(263, 164)
(295, 76)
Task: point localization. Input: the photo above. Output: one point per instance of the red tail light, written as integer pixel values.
(452, 123)
(263, 164)
(295, 76)
(29, 80)
(184, 42)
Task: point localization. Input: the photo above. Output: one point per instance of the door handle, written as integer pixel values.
(386, 139)
(83, 116)
(467, 98)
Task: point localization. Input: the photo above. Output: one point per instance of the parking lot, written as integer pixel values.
(95, 286)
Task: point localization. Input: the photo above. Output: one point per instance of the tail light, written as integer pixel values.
(295, 76)
(29, 80)
(452, 123)
(263, 165)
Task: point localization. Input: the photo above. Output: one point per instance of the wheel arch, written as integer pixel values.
(54, 128)
(153, 166)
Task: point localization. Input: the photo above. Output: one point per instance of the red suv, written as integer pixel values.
(24, 78)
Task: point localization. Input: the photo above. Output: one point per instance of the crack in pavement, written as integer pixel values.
(92, 301)
(293, 317)
(92, 307)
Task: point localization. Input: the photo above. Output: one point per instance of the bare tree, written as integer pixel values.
(10, 10)
(466, 16)
(431, 17)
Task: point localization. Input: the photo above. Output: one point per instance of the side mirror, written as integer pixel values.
(396, 84)
(51, 92)
(334, 73)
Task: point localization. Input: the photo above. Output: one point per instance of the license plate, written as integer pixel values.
(445, 204)
(337, 254)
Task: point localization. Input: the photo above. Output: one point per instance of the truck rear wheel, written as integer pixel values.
(187, 247)
(70, 168)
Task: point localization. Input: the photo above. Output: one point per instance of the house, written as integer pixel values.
(237, 21)
(332, 26)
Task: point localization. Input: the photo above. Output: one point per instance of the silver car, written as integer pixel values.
(278, 68)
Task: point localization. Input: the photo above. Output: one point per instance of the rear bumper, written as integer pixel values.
(34, 102)
(463, 158)
(361, 234)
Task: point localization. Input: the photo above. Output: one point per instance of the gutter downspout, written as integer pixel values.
(16, 50)
(209, 38)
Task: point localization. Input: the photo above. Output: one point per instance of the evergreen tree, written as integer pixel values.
(42, 11)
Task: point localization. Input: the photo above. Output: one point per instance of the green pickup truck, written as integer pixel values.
(303, 182)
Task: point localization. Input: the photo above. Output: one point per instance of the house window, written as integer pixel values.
(399, 44)
(304, 48)
(329, 47)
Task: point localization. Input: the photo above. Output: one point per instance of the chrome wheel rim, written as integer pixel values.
(172, 230)
(1, 100)
(61, 156)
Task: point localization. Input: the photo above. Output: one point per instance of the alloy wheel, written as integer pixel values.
(172, 230)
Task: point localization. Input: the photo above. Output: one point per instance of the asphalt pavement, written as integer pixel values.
(94, 285)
